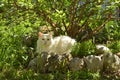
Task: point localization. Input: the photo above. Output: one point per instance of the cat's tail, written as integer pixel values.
(73, 41)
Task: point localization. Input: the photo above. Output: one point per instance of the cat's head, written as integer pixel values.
(46, 39)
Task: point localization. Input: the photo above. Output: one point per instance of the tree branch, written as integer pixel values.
(96, 30)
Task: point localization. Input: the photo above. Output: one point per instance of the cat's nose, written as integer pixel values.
(45, 42)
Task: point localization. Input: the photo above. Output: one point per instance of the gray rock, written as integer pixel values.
(100, 49)
(59, 62)
(76, 64)
(40, 62)
(93, 63)
(45, 62)
(33, 64)
(111, 62)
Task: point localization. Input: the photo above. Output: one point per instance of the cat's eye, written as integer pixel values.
(48, 39)
(42, 39)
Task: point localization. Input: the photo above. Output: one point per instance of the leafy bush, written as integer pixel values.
(114, 46)
(76, 18)
(82, 75)
(12, 50)
(84, 48)
(109, 33)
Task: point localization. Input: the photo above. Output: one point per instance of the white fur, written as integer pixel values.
(57, 45)
(62, 44)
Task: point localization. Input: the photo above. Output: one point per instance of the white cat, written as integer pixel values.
(57, 45)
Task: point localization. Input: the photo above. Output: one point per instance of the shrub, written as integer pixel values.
(114, 46)
(12, 50)
(84, 48)
(109, 33)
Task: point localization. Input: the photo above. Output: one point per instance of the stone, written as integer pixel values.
(101, 49)
(33, 64)
(93, 63)
(76, 64)
(40, 62)
(45, 62)
(111, 62)
(59, 62)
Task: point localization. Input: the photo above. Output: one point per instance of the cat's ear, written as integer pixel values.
(40, 34)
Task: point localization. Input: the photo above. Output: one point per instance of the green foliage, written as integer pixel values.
(82, 75)
(71, 17)
(114, 46)
(109, 33)
(84, 48)
(12, 50)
